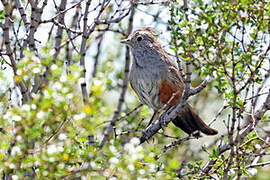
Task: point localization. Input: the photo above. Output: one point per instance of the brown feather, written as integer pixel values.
(166, 91)
(189, 121)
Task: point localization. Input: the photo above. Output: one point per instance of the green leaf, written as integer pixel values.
(2, 14)
(174, 164)
(190, 166)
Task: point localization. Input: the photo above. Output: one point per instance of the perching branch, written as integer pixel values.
(167, 116)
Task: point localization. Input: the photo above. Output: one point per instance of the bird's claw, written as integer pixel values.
(162, 120)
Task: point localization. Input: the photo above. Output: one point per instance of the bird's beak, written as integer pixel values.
(126, 41)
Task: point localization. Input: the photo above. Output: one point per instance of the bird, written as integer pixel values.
(156, 80)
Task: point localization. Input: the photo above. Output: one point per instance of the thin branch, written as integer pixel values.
(83, 49)
(258, 164)
(109, 129)
(196, 90)
(22, 13)
(97, 54)
(258, 115)
(174, 143)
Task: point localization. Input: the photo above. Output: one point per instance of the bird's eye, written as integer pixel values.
(139, 38)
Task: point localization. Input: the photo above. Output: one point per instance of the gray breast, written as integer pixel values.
(146, 83)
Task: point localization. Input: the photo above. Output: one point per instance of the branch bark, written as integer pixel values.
(109, 129)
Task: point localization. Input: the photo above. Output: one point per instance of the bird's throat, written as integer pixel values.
(138, 63)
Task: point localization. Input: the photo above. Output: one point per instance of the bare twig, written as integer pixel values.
(124, 86)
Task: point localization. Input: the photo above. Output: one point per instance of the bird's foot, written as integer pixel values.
(153, 119)
(162, 120)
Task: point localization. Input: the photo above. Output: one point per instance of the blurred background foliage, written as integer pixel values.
(56, 135)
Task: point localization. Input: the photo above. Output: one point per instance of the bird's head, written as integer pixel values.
(140, 38)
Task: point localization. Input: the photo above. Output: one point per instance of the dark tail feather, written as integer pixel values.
(189, 121)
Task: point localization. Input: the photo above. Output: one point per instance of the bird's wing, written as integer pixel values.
(171, 87)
